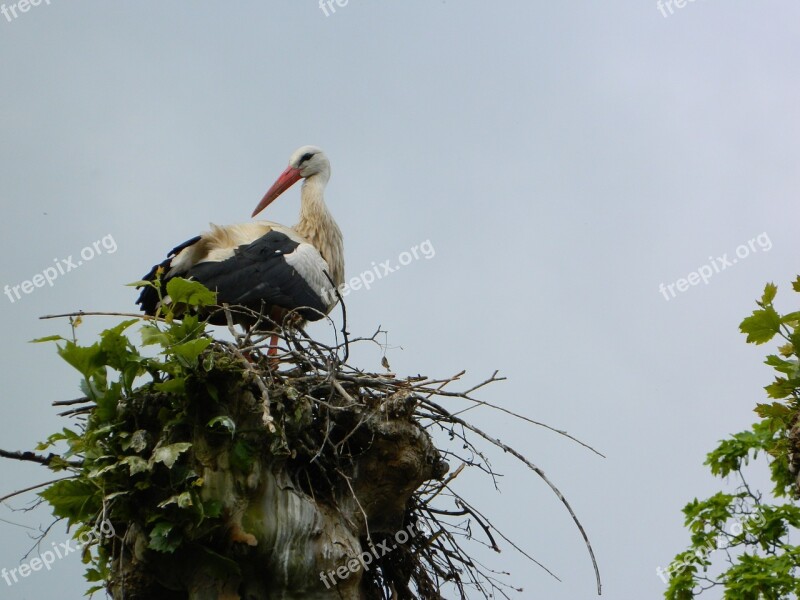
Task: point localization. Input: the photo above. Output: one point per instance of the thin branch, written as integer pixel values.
(536, 470)
(38, 458)
(33, 487)
(82, 313)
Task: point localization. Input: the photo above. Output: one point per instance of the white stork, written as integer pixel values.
(264, 266)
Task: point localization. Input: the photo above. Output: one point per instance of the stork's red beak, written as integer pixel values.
(287, 179)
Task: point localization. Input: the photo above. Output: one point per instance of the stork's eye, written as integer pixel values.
(305, 157)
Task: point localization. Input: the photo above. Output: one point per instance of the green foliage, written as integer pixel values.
(740, 542)
(135, 442)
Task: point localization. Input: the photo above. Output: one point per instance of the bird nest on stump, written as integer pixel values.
(231, 474)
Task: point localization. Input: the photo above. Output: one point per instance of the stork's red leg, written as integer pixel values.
(272, 353)
(273, 345)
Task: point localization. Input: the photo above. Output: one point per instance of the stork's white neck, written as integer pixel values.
(317, 225)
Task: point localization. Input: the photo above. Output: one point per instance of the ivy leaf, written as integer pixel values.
(161, 539)
(138, 441)
(761, 326)
(224, 422)
(168, 455)
(796, 284)
(183, 500)
(93, 473)
(136, 464)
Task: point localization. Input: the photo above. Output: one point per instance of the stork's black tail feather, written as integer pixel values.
(149, 298)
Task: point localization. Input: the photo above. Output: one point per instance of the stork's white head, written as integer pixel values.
(311, 161)
(306, 162)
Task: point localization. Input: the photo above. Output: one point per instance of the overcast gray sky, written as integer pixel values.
(564, 159)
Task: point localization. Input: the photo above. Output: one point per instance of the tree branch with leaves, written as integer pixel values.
(742, 541)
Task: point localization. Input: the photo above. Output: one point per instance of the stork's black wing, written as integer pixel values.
(261, 272)
(274, 270)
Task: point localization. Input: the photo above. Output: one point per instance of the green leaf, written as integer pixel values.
(190, 351)
(224, 422)
(192, 293)
(107, 403)
(188, 328)
(49, 338)
(784, 366)
(183, 500)
(138, 441)
(176, 385)
(732, 453)
(73, 499)
(117, 348)
(776, 410)
(782, 387)
(759, 560)
(793, 317)
(769, 294)
(58, 463)
(65, 435)
(141, 283)
(136, 464)
(762, 326)
(162, 538)
(168, 455)
(86, 359)
(97, 472)
(151, 334)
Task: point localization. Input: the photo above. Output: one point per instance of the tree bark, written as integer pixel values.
(333, 476)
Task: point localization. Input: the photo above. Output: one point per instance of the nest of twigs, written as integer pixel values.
(356, 449)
